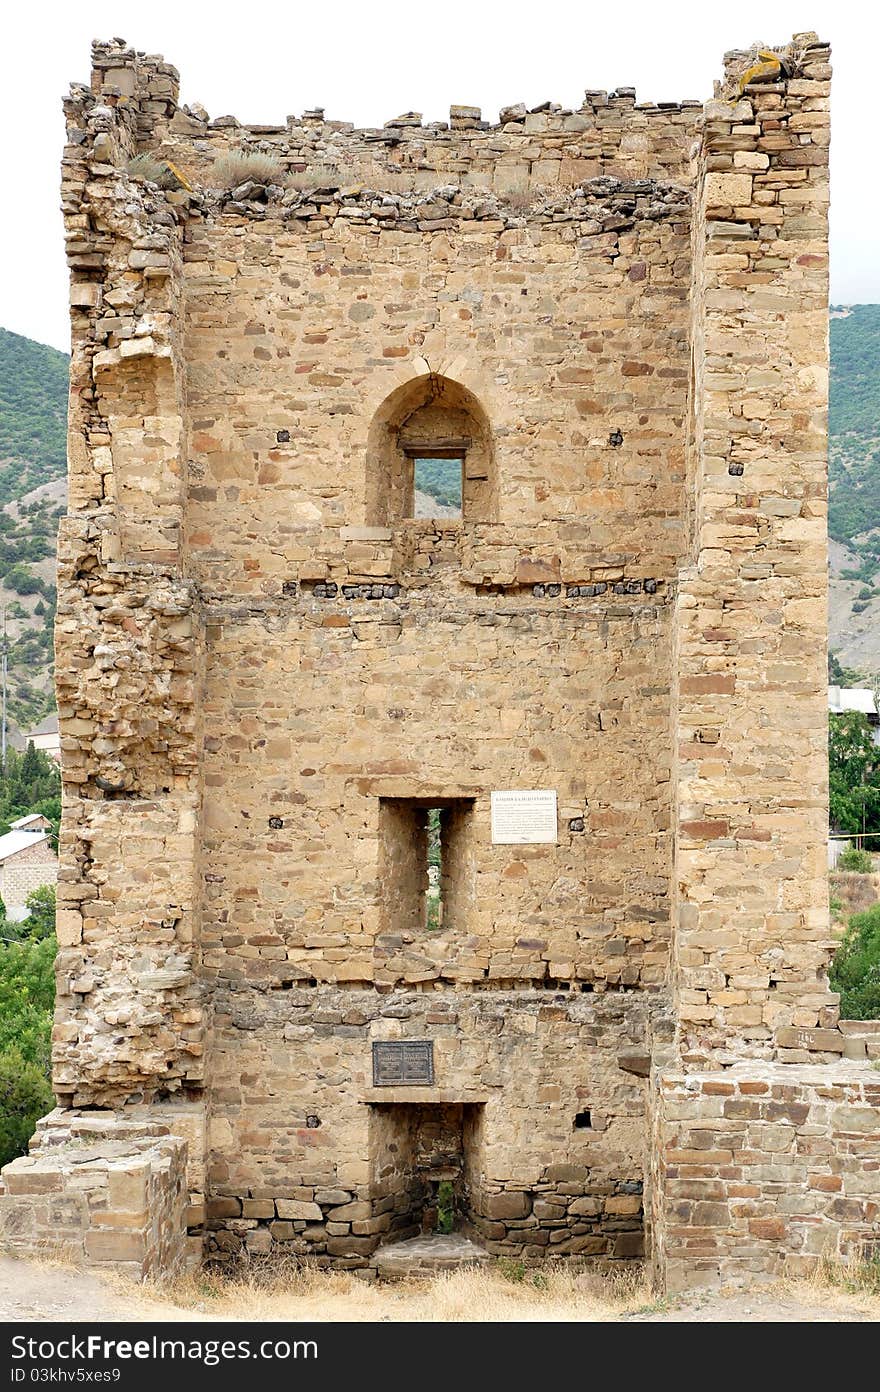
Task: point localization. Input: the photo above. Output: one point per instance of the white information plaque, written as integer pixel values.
(523, 815)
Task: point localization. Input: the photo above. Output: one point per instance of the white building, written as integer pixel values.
(27, 861)
(855, 698)
(45, 736)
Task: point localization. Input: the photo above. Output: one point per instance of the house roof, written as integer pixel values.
(23, 823)
(47, 726)
(15, 841)
(851, 698)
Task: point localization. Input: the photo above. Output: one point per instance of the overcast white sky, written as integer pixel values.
(370, 60)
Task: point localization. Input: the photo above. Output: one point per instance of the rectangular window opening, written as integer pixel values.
(437, 486)
(427, 864)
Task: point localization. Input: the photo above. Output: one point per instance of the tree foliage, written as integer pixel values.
(853, 774)
(27, 999)
(31, 783)
(25, 1095)
(855, 972)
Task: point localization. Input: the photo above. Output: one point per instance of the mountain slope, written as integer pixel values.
(854, 482)
(33, 425)
(33, 415)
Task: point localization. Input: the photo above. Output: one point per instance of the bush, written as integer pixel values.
(20, 579)
(154, 171)
(855, 971)
(27, 995)
(319, 176)
(25, 1096)
(40, 922)
(854, 859)
(239, 166)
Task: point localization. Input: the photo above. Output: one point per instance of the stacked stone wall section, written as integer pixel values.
(763, 1171)
(99, 1192)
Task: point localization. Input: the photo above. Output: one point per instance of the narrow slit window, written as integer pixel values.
(434, 890)
(437, 486)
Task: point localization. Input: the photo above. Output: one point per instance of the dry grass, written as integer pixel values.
(836, 1298)
(144, 166)
(853, 892)
(519, 200)
(856, 1278)
(261, 1291)
(242, 166)
(320, 176)
(502, 1294)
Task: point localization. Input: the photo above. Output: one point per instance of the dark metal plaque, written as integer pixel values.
(403, 1062)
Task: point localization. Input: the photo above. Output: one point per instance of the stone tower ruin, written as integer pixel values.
(594, 691)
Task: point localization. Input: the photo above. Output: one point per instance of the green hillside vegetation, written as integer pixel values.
(33, 415)
(854, 430)
(27, 538)
(27, 999)
(441, 478)
(854, 406)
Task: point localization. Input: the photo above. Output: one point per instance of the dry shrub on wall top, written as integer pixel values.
(519, 200)
(320, 176)
(144, 166)
(239, 166)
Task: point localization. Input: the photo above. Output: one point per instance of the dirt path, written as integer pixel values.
(759, 1307)
(32, 1291)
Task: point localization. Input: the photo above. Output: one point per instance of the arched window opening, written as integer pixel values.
(430, 455)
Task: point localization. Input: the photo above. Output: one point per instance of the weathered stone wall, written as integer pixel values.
(267, 669)
(550, 147)
(356, 658)
(317, 709)
(129, 1019)
(552, 1140)
(311, 323)
(762, 1171)
(100, 1192)
(750, 726)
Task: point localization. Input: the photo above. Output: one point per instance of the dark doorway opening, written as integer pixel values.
(426, 1163)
